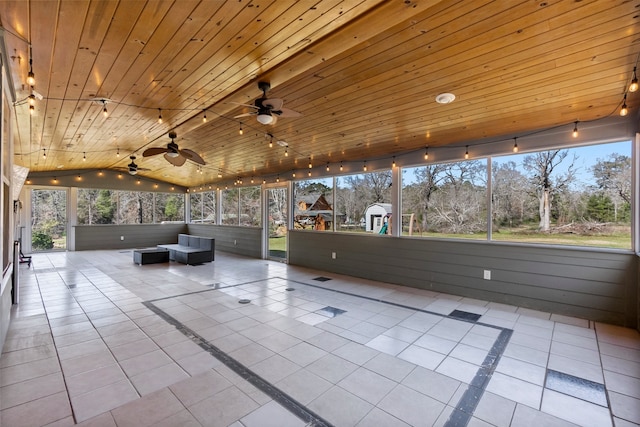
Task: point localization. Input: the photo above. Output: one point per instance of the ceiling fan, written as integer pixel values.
(173, 154)
(267, 110)
(132, 167)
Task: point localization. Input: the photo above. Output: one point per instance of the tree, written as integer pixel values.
(546, 184)
(613, 176)
(509, 194)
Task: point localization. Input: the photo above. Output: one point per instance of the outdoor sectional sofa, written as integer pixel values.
(191, 249)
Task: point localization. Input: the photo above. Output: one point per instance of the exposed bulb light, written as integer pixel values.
(159, 116)
(118, 152)
(84, 156)
(252, 180)
(515, 145)
(31, 78)
(55, 180)
(327, 166)
(32, 99)
(364, 166)
(309, 173)
(340, 166)
(219, 175)
(44, 153)
(393, 163)
(624, 110)
(575, 130)
(310, 165)
(271, 141)
(278, 178)
(293, 174)
(466, 153)
(240, 131)
(426, 153)
(32, 109)
(204, 116)
(105, 113)
(634, 82)
(286, 152)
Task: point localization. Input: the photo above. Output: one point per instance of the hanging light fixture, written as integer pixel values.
(204, 116)
(340, 166)
(327, 166)
(426, 153)
(159, 116)
(44, 153)
(309, 173)
(240, 131)
(515, 144)
(634, 82)
(624, 110)
(105, 113)
(466, 153)
(84, 156)
(293, 174)
(364, 166)
(310, 165)
(393, 163)
(118, 152)
(286, 152)
(31, 78)
(575, 130)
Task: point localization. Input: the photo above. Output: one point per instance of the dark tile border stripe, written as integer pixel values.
(462, 413)
(305, 414)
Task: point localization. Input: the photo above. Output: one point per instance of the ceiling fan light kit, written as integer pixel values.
(268, 110)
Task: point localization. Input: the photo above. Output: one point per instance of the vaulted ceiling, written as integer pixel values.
(364, 74)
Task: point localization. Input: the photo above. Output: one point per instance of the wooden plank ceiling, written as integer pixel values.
(363, 73)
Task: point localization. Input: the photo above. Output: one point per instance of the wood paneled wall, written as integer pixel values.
(245, 241)
(585, 283)
(93, 237)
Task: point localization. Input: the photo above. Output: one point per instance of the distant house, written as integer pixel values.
(313, 211)
(376, 215)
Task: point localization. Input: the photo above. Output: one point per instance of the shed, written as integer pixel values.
(375, 216)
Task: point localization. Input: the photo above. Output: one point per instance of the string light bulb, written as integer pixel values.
(118, 152)
(204, 116)
(426, 153)
(271, 141)
(84, 156)
(575, 130)
(393, 163)
(293, 174)
(309, 173)
(240, 131)
(340, 166)
(286, 152)
(515, 145)
(310, 165)
(105, 113)
(278, 178)
(31, 78)
(364, 166)
(159, 116)
(634, 82)
(32, 99)
(466, 153)
(327, 166)
(624, 110)
(32, 109)
(44, 153)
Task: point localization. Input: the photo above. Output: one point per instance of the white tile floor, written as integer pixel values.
(100, 341)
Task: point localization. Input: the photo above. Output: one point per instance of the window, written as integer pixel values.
(445, 200)
(575, 196)
(229, 201)
(203, 207)
(101, 206)
(363, 202)
(313, 204)
(250, 209)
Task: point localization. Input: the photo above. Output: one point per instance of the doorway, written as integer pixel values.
(277, 223)
(48, 220)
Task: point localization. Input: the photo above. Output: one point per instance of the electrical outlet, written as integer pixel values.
(333, 255)
(487, 275)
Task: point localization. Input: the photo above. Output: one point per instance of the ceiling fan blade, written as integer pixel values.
(273, 103)
(286, 112)
(153, 151)
(175, 161)
(245, 115)
(193, 156)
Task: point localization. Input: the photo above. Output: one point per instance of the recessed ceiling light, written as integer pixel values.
(445, 98)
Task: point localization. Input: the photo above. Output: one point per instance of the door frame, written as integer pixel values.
(265, 219)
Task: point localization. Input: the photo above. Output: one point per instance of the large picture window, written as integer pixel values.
(445, 200)
(363, 202)
(203, 207)
(250, 206)
(313, 204)
(575, 196)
